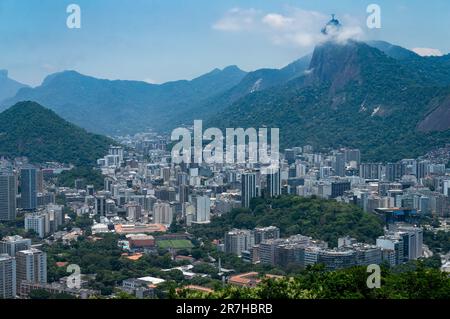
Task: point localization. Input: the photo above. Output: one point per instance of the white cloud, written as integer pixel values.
(277, 21)
(237, 19)
(348, 33)
(428, 52)
(297, 27)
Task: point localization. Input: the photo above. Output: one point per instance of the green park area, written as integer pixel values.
(175, 244)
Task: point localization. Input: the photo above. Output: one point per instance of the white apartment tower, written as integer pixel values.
(31, 266)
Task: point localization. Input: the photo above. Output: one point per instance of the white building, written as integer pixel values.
(38, 222)
(134, 211)
(116, 151)
(446, 187)
(31, 266)
(239, 240)
(162, 213)
(203, 209)
(413, 239)
(99, 228)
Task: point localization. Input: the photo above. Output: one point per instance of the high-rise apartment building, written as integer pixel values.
(28, 187)
(100, 205)
(8, 284)
(370, 170)
(392, 249)
(38, 222)
(248, 188)
(39, 181)
(239, 240)
(134, 211)
(12, 244)
(412, 241)
(203, 209)
(339, 165)
(183, 193)
(395, 171)
(353, 155)
(8, 191)
(274, 183)
(266, 233)
(162, 213)
(31, 266)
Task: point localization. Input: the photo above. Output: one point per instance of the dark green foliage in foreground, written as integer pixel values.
(42, 294)
(321, 219)
(88, 175)
(419, 282)
(28, 129)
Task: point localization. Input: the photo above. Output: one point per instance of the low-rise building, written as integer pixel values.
(140, 241)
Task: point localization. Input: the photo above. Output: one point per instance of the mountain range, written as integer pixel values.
(384, 99)
(31, 130)
(118, 107)
(8, 87)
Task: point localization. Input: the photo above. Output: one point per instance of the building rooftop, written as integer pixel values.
(4, 257)
(137, 229)
(14, 238)
(152, 280)
(139, 237)
(133, 257)
(249, 279)
(30, 251)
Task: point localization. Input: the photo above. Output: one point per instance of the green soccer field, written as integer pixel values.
(176, 244)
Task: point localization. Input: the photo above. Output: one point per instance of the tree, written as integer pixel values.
(420, 282)
(40, 294)
(87, 174)
(321, 219)
(123, 295)
(83, 222)
(175, 227)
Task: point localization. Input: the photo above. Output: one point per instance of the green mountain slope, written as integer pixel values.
(253, 82)
(29, 129)
(354, 95)
(433, 69)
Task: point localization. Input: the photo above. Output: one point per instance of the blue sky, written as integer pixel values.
(163, 40)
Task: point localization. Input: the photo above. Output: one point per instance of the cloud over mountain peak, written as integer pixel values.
(295, 27)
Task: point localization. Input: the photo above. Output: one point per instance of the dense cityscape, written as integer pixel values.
(320, 172)
(152, 208)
